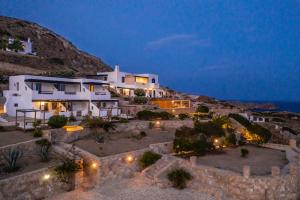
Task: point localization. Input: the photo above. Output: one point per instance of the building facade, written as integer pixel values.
(27, 46)
(59, 96)
(125, 83)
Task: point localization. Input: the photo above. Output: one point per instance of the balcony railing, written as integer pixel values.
(59, 95)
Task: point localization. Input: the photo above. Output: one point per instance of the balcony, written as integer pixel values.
(100, 95)
(58, 95)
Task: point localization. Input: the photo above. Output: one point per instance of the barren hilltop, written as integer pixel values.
(54, 53)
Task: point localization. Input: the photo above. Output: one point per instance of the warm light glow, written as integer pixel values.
(157, 122)
(73, 128)
(46, 177)
(173, 110)
(42, 103)
(172, 101)
(129, 158)
(94, 165)
(216, 140)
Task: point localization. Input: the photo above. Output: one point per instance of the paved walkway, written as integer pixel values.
(132, 189)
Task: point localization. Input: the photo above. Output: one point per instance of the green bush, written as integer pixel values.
(230, 140)
(140, 100)
(57, 61)
(149, 158)
(244, 152)
(45, 146)
(209, 129)
(149, 115)
(11, 157)
(183, 116)
(242, 120)
(264, 133)
(57, 121)
(179, 177)
(203, 109)
(139, 92)
(65, 171)
(37, 132)
(187, 133)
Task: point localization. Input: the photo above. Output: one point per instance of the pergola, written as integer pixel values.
(24, 111)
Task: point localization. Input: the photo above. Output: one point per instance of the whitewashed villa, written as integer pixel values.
(58, 96)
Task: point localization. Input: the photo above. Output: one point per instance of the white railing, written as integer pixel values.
(59, 95)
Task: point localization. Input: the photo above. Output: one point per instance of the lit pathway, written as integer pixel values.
(132, 189)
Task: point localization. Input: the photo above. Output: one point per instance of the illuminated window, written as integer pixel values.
(92, 88)
(142, 80)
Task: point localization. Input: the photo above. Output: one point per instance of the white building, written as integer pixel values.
(59, 96)
(27, 46)
(125, 83)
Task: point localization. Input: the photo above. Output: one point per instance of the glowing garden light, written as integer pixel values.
(46, 177)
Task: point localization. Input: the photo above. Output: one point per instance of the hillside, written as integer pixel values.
(55, 54)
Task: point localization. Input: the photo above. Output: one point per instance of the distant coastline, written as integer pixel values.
(289, 106)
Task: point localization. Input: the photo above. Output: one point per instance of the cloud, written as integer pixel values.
(177, 39)
(214, 67)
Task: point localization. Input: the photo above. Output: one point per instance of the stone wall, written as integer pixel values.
(139, 125)
(32, 185)
(162, 148)
(61, 135)
(29, 148)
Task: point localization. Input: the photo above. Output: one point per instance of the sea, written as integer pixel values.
(290, 106)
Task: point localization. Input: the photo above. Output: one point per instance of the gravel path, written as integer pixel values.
(132, 189)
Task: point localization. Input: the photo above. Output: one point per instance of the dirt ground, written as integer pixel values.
(259, 159)
(119, 143)
(12, 137)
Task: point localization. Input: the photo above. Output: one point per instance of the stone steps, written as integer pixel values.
(157, 168)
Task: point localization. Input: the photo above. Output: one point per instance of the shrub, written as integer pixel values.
(244, 152)
(149, 115)
(187, 133)
(264, 133)
(57, 61)
(72, 118)
(203, 109)
(179, 177)
(143, 134)
(209, 129)
(149, 158)
(140, 100)
(220, 120)
(242, 120)
(139, 92)
(183, 116)
(57, 121)
(37, 123)
(97, 122)
(230, 139)
(65, 171)
(45, 146)
(37, 132)
(151, 125)
(11, 157)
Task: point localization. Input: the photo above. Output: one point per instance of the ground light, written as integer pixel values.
(129, 158)
(94, 165)
(46, 177)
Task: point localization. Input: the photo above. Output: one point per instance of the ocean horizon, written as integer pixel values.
(290, 106)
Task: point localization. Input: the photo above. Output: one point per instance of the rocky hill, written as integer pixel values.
(55, 54)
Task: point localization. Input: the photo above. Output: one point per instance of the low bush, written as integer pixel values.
(37, 132)
(151, 125)
(149, 158)
(244, 152)
(57, 121)
(149, 115)
(45, 146)
(187, 133)
(242, 120)
(11, 157)
(209, 129)
(139, 92)
(183, 116)
(183, 146)
(143, 134)
(179, 177)
(97, 122)
(65, 171)
(230, 140)
(140, 100)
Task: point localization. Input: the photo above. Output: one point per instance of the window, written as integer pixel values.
(153, 80)
(123, 79)
(16, 105)
(92, 88)
(38, 87)
(18, 85)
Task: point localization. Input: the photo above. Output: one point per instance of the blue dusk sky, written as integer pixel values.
(229, 49)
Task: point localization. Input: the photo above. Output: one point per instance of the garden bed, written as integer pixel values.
(259, 159)
(124, 142)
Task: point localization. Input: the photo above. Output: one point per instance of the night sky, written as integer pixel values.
(229, 49)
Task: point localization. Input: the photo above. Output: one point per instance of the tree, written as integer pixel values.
(139, 92)
(16, 45)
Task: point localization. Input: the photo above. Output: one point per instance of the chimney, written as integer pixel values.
(117, 68)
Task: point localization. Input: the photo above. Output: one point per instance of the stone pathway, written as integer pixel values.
(132, 189)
